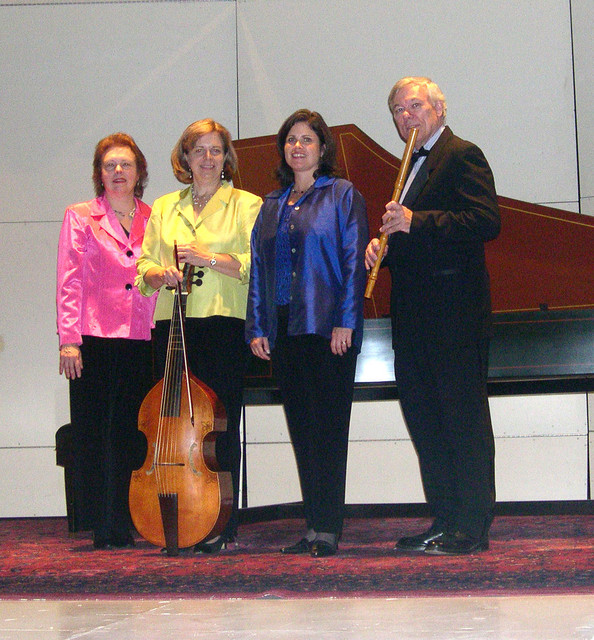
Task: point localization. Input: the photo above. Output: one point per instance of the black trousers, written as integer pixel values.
(317, 392)
(104, 405)
(217, 356)
(443, 394)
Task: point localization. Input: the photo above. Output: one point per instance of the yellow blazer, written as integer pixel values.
(223, 226)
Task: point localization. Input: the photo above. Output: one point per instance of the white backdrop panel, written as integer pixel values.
(34, 398)
(505, 68)
(74, 73)
(583, 18)
(32, 484)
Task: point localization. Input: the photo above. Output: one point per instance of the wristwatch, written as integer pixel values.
(213, 260)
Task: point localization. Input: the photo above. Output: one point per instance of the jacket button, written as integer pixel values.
(293, 250)
(128, 287)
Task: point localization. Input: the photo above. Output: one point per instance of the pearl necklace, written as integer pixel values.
(130, 214)
(202, 201)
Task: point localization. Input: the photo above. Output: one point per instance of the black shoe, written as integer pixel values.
(183, 551)
(303, 546)
(214, 545)
(456, 544)
(124, 541)
(322, 549)
(99, 542)
(420, 542)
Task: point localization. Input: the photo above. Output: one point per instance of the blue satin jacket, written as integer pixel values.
(328, 233)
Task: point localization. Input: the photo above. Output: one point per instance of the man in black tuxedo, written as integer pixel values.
(440, 308)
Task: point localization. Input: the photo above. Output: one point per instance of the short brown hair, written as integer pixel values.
(119, 140)
(185, 144)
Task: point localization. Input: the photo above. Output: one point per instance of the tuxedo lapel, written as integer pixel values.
(416, 186)
(426, 169)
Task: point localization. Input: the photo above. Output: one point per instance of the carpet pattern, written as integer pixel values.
(527, 554)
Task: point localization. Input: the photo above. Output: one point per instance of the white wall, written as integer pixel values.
(505, 68)
(541, 445)
(71, 73)
(582, 20)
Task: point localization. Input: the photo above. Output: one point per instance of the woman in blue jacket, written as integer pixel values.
(305, 313)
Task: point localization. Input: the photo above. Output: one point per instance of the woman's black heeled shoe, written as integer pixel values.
(101, 543)
(303, 546)
(124, 541)
(214, 545)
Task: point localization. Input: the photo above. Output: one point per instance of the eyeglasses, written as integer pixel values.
(110, 167)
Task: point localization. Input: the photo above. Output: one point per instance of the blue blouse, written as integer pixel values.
(327, 234)
(283, 257)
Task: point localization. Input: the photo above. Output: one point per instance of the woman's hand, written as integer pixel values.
(171, 276)
(223, 263)
(71, 363)
(260, 348)
(157, 277)
(193, 254)
(341, 340)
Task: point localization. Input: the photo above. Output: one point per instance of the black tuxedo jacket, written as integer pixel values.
(440, 284)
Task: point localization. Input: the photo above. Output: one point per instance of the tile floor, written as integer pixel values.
(454, 618)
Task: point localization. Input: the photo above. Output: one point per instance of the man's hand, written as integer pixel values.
(371, 253)
(396, 218)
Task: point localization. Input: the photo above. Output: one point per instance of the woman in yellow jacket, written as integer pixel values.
(211, 222)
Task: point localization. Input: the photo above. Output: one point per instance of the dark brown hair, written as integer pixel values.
(327, 166)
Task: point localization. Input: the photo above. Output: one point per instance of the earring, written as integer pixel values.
(223, 174)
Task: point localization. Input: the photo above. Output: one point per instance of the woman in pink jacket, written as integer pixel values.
(104, 326)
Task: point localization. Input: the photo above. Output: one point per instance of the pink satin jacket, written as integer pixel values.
(95, 294)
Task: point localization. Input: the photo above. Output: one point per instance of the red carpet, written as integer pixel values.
(528, 554)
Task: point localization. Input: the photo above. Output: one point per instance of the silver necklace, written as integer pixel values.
(202, 201)
(130, 214)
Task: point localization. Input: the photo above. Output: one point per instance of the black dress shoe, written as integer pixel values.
(303, 546)
(124, 541)
(322, 549)
(214, 545)
(456, 544)
(100, 542)
(420, 542)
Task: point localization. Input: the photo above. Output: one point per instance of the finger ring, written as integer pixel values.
(344, 342)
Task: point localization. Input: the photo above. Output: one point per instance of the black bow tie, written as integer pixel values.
(419, 154)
